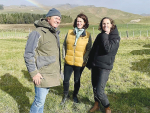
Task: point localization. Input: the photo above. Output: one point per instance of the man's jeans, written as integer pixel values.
(39, 100)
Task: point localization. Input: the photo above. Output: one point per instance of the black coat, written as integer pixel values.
(104, 49)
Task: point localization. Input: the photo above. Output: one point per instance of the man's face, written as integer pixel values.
(54, 21)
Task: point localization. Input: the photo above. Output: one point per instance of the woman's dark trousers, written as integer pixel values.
(68, 69)
(99, 79)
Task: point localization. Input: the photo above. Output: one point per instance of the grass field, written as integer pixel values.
(128, 87)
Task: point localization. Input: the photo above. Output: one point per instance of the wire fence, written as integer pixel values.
(134, 30)
(125, 31)
(136, 33)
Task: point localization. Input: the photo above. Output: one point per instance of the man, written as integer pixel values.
(42, 57)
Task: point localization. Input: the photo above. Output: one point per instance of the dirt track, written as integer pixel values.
(16, 26)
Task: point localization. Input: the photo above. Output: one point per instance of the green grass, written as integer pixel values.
(128, 87)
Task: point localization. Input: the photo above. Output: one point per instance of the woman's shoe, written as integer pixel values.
(64, 99)
(95, 107)
(108, 110)
(75, 99)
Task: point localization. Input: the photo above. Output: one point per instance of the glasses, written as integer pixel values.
(57, 19)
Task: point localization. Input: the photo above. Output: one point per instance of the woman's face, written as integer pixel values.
(80, 23)
(106, 25)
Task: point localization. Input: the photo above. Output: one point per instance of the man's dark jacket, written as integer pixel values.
(104, 49)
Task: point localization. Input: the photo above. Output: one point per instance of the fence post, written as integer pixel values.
(15, 32)
(127, 33)
(93, 33)
(29, 30)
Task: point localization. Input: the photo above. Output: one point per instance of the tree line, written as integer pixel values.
(1, 7)
(27, 18)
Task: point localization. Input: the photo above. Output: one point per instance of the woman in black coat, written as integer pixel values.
(101, 59)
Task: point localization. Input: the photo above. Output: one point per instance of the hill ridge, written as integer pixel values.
(94, 13)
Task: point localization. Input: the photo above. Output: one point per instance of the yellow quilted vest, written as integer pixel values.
(74, 54)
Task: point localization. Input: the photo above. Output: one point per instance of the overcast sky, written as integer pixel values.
(131, 6)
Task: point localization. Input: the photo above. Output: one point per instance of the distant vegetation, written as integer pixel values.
(1, 7)
(66, 19)
(94, 14)
(26, 18)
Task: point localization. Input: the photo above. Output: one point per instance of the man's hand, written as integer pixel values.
(37, 78)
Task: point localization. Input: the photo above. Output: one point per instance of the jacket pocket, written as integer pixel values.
(104, 59)
(45, 61)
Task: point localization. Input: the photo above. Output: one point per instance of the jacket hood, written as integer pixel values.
(45, 24)
(114, 32)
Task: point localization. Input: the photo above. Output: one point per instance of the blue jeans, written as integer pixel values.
(39, 100)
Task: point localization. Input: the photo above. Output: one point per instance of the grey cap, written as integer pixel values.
(53, 12)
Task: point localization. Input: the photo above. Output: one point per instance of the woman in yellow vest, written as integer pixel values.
(76, 48)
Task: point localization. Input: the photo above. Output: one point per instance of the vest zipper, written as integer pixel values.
(74, 55)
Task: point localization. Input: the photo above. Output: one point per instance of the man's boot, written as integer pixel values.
(108, 110)
(95, 107)
(64, 99)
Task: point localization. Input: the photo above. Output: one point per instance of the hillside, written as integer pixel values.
(94, 13)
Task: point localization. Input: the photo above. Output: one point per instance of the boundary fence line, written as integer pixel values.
(128, 30)
(123, 34)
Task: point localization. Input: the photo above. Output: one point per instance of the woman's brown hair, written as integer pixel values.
(84, 17)
(111, 21)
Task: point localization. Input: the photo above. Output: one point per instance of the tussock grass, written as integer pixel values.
(128, 87)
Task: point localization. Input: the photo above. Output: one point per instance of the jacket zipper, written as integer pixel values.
(74, 55)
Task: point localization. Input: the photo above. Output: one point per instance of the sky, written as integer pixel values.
(131, 6)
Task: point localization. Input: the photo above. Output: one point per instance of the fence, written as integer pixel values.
(13, 33)
(125, 30)
(134, 30)
(137, 33)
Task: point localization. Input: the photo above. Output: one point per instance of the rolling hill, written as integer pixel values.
(94, 13)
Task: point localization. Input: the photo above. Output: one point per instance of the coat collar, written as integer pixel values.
(51, 29)
(83, 34)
